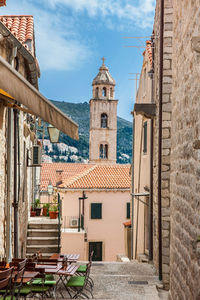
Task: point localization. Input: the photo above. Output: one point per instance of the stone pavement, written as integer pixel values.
(125, 281)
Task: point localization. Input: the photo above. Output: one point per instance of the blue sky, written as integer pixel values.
(73, 35)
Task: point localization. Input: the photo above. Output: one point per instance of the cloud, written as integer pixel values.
(140, 14)
(58, 47)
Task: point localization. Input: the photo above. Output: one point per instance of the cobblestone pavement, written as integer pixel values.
(128, 281)
(124, 281)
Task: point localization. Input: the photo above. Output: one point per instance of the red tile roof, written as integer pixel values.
(86, 176)
(149, 51)
(101, 177)
(2, 2)
(48, 172)
(127, 223)
(20, 26)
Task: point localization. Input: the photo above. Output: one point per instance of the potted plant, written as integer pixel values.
(37, 207)
(33, 212)
(53, 211)
(45, 209)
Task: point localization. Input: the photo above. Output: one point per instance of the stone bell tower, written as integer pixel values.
(103, 118)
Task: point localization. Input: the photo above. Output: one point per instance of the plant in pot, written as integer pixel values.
(37, 207)
(45, 209)
(53, 211)
(33, 212)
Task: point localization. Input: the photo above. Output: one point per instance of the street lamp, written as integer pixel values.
(54, 134)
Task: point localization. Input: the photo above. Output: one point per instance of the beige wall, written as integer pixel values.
(109, 229)
(141, 161)
(73, 242)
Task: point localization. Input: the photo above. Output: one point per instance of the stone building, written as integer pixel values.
(175, 149)
(20, 104)
(103, 119)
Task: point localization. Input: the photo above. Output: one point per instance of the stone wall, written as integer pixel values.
(166, 136)
(185, 157)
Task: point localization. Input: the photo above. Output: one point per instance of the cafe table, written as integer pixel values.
(64, 275)
(71, 258)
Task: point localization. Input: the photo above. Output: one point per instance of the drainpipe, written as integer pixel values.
(9, 190)
(15, 201)
(151, 162)
(160, 140)
(132, 188)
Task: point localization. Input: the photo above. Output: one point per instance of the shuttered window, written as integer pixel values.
(128, 214)
(96, 210)
(145, 138)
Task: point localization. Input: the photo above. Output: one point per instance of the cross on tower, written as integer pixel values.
(103, 59)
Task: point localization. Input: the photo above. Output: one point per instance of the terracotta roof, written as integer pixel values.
(48, 172)
(101, 177)
(20, 26)
(149, 51)
(127, 223)
(2, 2)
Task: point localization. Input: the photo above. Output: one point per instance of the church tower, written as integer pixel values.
(103, 118)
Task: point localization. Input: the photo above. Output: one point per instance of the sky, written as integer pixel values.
(73, 35)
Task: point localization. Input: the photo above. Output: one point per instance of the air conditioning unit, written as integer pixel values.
(74, 222)
(36, 155)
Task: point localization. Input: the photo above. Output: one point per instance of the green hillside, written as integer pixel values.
(80, 113)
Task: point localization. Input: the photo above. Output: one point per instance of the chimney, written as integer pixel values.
(58, 177)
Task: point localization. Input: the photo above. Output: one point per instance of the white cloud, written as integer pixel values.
(140, 14)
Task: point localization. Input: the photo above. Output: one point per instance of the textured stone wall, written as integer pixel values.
(166, 136)
(185, 157)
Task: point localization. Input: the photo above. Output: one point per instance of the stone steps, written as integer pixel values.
(42, 235)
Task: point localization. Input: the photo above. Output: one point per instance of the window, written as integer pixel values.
(96, 210)
(111, 92)
(145, 137)
(128, 212)
(104, 92)
(104, 121)
(103, 151)
(97, 92)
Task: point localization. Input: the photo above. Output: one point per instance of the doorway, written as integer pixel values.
(97, 248)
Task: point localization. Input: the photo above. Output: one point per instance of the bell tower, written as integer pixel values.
(103, 118)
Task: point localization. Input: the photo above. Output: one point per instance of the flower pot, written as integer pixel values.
(44, 211)
(38, 211)
(33, 213)
(53, 214)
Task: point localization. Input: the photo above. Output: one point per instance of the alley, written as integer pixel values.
(125, 281)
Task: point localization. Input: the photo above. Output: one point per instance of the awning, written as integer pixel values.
(23, 92)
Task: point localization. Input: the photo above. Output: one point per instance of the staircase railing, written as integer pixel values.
(59, 220)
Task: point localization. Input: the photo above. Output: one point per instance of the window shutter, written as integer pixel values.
(96, 210)
(145, 138)
(128, 215)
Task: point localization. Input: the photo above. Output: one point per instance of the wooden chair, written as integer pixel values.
(83, 269)
(6, 289)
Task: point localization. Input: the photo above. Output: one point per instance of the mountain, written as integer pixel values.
(79, 150)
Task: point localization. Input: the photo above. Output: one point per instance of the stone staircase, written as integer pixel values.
(42, 235)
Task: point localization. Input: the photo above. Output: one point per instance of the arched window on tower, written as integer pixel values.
(104, 92)
(103, 151)
(97, 92)
(104, 120)
(111, 93)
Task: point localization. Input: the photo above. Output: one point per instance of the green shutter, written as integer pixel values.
(96, 209)
(145, 138)
(128, 214)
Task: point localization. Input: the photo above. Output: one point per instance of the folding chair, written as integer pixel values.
(83, 268)
(78, 284)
